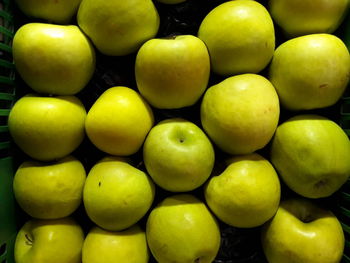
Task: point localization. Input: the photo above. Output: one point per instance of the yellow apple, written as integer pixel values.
(118, 121)
(47, 128)
(117, 195)
(182, 229)
(301, 231)
(241, 113)
(118, 28)
(49, 190)
(172, 72)
(240, 37)
(310, 72)
(53, 59)
(49, 241)
(129, 246)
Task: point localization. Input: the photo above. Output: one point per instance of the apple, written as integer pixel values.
(240, 37)
(49, 241)
(310, 72)
(311, 154)
(47, 128)
(246, 194)
(118, 121)
(172, 72)
(117, 195)
(54, 11)
(118, 28)
(303, 17)
(129, 245)
(178, 155)
(53, 59)
(240, 114)
(302, 231)
(182, 229)
(49, 190)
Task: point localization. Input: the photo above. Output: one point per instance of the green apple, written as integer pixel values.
(172, 72)
(49, 241)
(118, 28)
(310, 72)
(47, 128)
(302, 231)
(49, 190)
(241, 113)
(117, 195)
(312, 155)
(240, 37)
(182, 229)
(54, 11)
(178, 155)
(118, 121)
(246, 194)
(303, 17)
(53, 59)
(104, 246)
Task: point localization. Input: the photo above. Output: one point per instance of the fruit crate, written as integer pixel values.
(176, 20)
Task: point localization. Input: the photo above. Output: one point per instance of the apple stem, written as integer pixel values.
(29, 240)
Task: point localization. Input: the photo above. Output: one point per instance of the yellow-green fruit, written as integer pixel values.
(246, 194)
(303, 17)
(241, 113)
(240, 37)
(49, 190)
(117, 195)
(116, 27)
(53, 59)
(47, 128)
(310, 72)
(312, 155)
(182, 229)
(118, 121)
(104, 246)
(172, 72)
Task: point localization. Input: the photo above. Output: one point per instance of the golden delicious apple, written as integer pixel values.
(117, 195)
(246, 194)
(178, 155)
(312, 155)
(104, 246)
(118, 28)
(310, 72)
(172, 72)
(49, 190)
(182, 229)
(240, 37)
(301, 231)
(241, 113)
(55, 11)
(303, 17)
(47, 128)
(49, 241)
(118, 121)
(53, 59)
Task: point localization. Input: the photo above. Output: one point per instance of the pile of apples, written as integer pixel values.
(225, 158)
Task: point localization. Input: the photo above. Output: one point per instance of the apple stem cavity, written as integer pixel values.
(29, 240)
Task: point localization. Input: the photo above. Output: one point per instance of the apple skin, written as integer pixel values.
(117, 195)
(47, 128)
(302, 232)
(49, 241)
(311, 154)
(104, 246)
(54, 11)
(172, 72)
(53, 59)
(49, 190)
(118, 121)
(178, 155)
